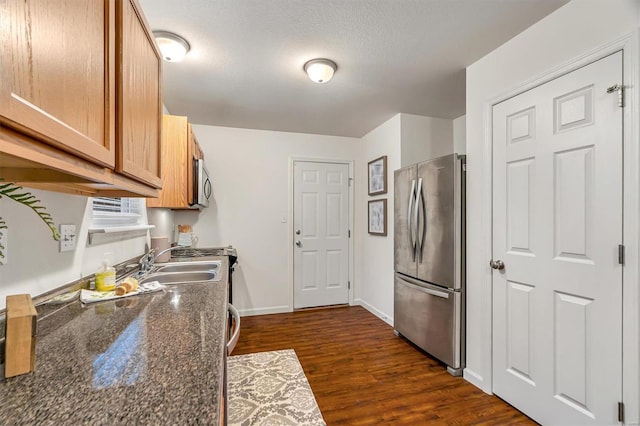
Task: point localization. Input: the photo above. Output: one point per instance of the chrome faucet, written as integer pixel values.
(148, 260)
(164, 251)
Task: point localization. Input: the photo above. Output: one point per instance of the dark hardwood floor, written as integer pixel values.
(362, 374)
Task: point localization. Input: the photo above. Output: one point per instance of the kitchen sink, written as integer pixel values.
(190, 267)
(181, 277)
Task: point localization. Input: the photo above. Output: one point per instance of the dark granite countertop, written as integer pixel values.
(156, 358)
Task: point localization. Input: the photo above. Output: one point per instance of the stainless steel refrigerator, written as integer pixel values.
(429, 256)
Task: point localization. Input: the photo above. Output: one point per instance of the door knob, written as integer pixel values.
(496, 264)
(299, 243)
(297, 232)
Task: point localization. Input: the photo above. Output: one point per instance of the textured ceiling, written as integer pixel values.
(245, 64)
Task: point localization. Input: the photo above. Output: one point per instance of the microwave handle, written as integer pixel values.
(207, 188)
(194, 198)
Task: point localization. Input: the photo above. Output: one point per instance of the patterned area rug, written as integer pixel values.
(268, 389)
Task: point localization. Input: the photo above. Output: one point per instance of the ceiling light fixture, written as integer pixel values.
(320, 70)
(172, 46)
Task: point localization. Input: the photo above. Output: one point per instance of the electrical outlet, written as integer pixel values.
(67, 238)
(4, 246)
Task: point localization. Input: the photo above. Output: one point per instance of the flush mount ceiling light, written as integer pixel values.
(172, 46)
(320, 70)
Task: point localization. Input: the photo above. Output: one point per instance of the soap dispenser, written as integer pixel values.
(106, 275)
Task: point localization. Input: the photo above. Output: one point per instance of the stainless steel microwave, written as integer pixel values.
(202, 189)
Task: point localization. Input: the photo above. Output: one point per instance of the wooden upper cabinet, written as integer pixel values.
(139, 96)
(57, 75)
(80, 97)
(179, 149)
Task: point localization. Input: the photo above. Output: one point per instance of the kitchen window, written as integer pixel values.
(120, 215)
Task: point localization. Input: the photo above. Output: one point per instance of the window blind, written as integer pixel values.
(117, 212)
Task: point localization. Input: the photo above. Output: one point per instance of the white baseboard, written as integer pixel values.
(475, 379)
(375, 311)
(264, 311)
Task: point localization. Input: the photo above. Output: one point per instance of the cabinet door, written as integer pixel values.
(57, 79)
(175, 170)
(139, 96)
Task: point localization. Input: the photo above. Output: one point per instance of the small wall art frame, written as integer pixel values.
(378, 217)
(378, 176)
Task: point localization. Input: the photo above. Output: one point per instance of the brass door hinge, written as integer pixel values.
(620, 89)
(621, 412)
(621, 254)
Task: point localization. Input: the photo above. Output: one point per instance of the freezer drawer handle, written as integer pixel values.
(441, 294)
(496, 264)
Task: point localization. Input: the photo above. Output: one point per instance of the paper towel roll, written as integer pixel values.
(159, 244)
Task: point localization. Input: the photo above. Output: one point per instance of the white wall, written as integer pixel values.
(423, 138)
(576, 28)
(250, 206)
(374, 253)
(35, 265)
(405, 139)
(163, 219)
(460, 135)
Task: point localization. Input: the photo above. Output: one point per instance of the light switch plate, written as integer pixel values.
(67, 238)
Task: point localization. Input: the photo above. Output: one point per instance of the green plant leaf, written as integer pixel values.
(3, 225)
(28, 199)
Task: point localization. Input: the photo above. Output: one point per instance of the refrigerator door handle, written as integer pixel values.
(412, 239)
(423, 233)
(416, 213)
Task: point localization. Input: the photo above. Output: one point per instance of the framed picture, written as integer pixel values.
(378, 176)
(378, 217)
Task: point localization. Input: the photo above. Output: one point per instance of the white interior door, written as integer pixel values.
(557, 224)
(321, 234)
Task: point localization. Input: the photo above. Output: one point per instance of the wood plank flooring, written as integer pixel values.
(362, 374)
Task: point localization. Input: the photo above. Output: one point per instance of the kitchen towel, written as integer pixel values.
(90, 296)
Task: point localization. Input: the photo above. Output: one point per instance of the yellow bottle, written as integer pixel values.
(106, 275)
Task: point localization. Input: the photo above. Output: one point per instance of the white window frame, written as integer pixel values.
(111, 215)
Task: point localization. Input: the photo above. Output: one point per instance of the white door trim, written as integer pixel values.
(290, 231)
(631, 222)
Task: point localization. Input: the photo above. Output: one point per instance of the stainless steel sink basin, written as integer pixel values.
(181, 277)
(190, 267)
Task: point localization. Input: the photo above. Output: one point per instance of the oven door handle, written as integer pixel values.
(235, 317)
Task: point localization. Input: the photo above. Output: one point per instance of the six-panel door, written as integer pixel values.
(321, 234)
(557, 224)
